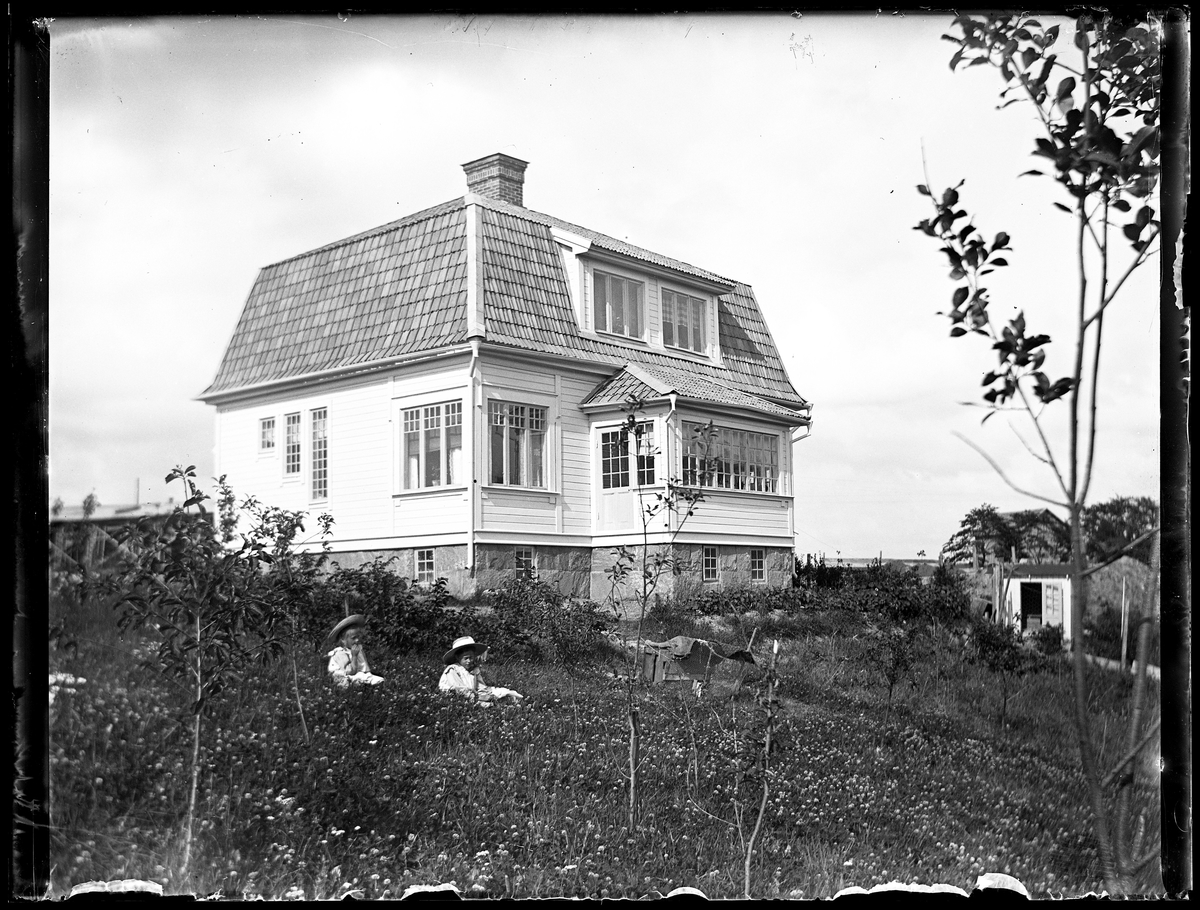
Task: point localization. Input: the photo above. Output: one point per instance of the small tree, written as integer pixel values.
(677, 500)
(213, 608)
(998, 647)
(1100, 122)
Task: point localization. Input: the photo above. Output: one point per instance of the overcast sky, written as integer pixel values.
(186, 154)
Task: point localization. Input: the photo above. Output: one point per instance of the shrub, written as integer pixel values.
(893, 653)
(1048, 640)
(818, 575)
(1102, 631)
(533, 620)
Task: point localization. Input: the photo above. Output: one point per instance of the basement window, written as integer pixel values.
(425, 567)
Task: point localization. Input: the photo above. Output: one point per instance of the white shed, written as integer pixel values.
(1032, 595)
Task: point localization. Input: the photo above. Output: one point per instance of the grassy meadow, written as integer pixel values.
(377, 789)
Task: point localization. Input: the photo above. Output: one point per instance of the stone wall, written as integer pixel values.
(567, 568)
(581, 571)
(733, 565)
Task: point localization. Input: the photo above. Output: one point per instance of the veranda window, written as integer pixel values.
(731, 459)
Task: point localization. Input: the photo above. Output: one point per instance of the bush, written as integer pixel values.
(533, 620)
(1048, 640)
(402, 617)
(1102, 631)
(818, 575)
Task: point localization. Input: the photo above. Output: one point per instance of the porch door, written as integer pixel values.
(615, 501)
(1031, 605)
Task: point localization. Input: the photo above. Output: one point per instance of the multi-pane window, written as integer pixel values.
(524, 562)
(320, 454)
(685, 320)
(425, 566)
(731, 459)
(517, 443)
(709, 564)
(266, 434)
(618, 304)
(291, 441)
(758, 565)
(431, 442)
(621, 457)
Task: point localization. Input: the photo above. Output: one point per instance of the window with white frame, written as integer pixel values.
(320, 454)
(684, 321)
(517, 444)
(266, 434)
(431, 445)
(425, 567)
(710, 566)
(730, 459)
(622, 458)
(618, 305)
(758, 565)
(525, 565)
(291, 440)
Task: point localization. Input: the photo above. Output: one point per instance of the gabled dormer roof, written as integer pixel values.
(401, 290)
(646, 384)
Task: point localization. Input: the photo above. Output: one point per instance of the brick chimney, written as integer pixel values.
(497, 176)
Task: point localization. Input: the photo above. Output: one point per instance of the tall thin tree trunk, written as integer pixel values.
(195, 784)
(1125, 858)
(296, 682)
(766, 765)
(635, 740)
(1083, 730)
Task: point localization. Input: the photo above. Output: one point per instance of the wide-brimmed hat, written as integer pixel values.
(350, 622)
(461, 644)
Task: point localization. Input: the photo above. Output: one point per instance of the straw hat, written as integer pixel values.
(349, 622)
(461, 644)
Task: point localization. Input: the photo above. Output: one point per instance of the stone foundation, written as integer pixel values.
(581, 571)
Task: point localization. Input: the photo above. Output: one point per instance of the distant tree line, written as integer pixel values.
(987, 536)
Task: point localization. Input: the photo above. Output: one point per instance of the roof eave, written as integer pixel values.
(224, 396)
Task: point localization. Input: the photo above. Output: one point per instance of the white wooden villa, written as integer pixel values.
(450, 388)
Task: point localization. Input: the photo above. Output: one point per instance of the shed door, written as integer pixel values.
(1052, 605)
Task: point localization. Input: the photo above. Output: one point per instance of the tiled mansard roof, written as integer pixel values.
(401, 289)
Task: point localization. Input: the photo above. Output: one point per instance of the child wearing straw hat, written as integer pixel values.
(347, 663)
(461, 674)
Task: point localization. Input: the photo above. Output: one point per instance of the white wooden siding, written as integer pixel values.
(362, 448)
(424, 513)
(741, 514)
(576, 455)
(519, 510)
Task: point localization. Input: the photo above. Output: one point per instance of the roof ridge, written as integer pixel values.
(647, 376)
(433, 211)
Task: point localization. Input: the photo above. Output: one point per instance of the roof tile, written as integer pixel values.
(401, 288)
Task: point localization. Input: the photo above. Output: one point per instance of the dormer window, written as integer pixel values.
(684, 321)
(619, 305)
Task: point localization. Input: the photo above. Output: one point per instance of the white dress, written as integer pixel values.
(457, 678)
(346, 666)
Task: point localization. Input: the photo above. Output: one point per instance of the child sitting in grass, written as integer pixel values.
(347, 663)
(461, 674)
